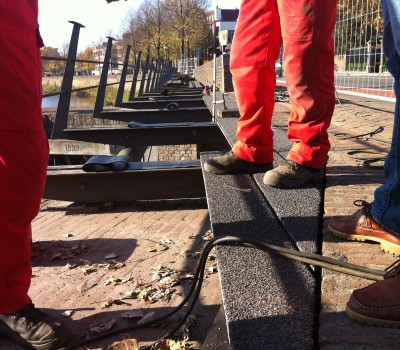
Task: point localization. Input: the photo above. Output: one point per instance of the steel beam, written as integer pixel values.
(72, 184)
(161, 103)
(169, 97)
(203, 133)
(194, 114)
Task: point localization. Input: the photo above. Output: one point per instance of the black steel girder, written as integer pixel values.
(168, 97)
(194, 114)
(202, 133)
(162, 103)
(73, 184)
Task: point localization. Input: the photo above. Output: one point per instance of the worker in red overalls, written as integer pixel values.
(24, 156)
(305, 27)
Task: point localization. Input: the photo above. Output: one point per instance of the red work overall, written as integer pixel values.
(306, 28)
(23, 147)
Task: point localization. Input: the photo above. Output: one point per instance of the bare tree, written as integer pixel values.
(183, 15)
(162, 27)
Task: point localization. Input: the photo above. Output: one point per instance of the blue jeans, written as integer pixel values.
(385, 208)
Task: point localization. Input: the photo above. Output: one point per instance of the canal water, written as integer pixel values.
(76, 102)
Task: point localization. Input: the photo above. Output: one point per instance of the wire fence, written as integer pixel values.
(186, 66)
(359, 59)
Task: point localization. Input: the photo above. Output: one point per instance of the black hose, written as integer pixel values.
(307, 258)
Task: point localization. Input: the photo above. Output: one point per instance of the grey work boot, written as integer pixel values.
(32, 327)
(292, 175)
(230, 164)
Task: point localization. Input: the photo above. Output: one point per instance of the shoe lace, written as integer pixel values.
(30, 315)
(393, 269)
(292, 165)
(365, 205)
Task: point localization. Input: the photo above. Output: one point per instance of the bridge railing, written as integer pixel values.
(151, 75)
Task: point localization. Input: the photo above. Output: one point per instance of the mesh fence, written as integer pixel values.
(359, 59)
(187, 65)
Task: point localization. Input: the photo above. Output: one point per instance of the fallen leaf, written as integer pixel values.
(212, 269)
(111, 256)
(183, 332)
(108, 205)
(208, 236)
(239, 189)
(107, 303)
(67, 313)
(170, 344)
(147, 318)
(56, 255)
(70, 266)
(126, 344)
(157, 248)
(87, 269)
(103, 327)
(110, 280)
(115, 266)
(83, 287)
(165, 241)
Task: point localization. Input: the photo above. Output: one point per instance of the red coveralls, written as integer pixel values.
(23, 147)
(306, 28)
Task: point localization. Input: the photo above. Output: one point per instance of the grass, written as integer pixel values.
(111, 93)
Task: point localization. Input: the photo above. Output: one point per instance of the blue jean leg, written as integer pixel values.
(386, 205)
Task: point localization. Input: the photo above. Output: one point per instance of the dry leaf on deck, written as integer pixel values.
(107, 303)
(147, 318)
(111, 256)
(87, 269)
(126, 344)
(70, 266)
(170, 344)
(67, 313)
(157, 248)
(183, 332)
(103, 327)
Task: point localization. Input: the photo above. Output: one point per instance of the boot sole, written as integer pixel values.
(370, 320)
(249, 170)
(385, 245)
(287, 184)
(7, 332)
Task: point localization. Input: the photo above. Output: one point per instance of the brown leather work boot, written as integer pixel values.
(362, 227)
(379, 303)
(292, 175)
(30, 326)
(229, 163)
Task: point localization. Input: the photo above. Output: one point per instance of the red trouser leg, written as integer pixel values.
(23, 148)
(307, 31)
(15, 265)
(307, 27)
(255, 48)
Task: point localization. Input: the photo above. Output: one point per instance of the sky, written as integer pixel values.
(99, 18)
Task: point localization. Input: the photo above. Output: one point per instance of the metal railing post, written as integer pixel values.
(156, 70)
(132, 93)
(101, 91)
(144, 73)
(60, 122)
(121, 87)
(152, 73)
